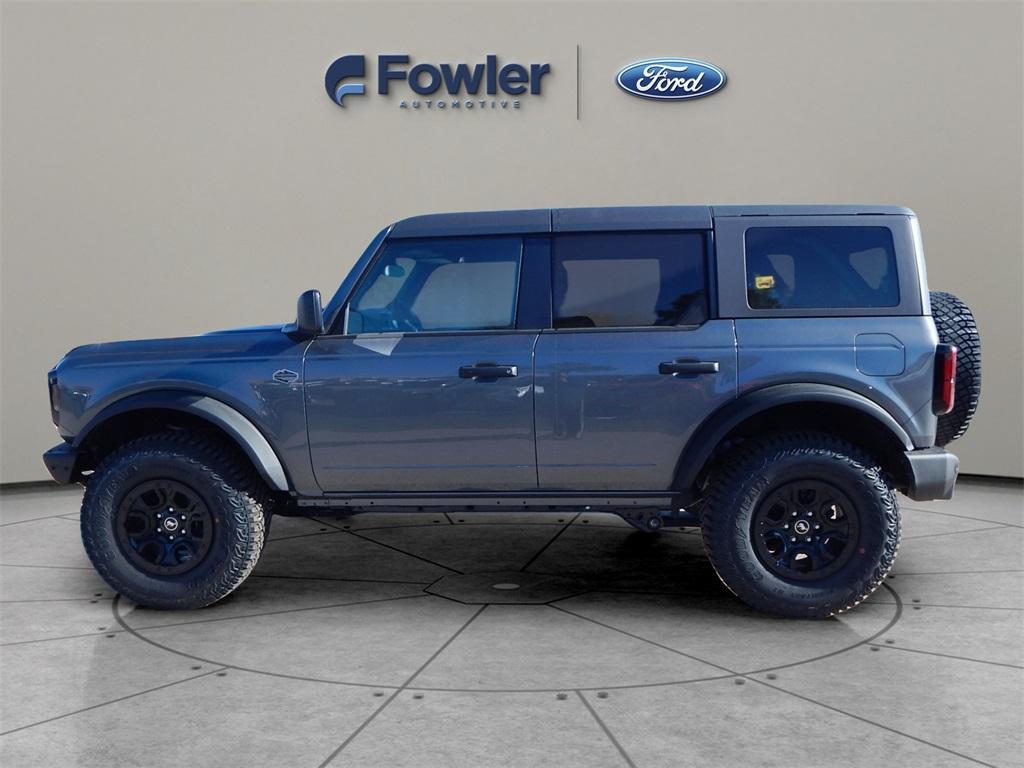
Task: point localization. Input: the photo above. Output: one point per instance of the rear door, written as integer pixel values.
(634, 362)
(428, 388)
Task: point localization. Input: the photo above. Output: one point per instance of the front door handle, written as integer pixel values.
(487, 371)
(688, 367)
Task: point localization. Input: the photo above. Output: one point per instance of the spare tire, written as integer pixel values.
(955, 323)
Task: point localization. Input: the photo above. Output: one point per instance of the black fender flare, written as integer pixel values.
(234, 424)
(713, 429)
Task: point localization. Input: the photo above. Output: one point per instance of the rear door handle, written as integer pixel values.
(688, 367)
(487, 371)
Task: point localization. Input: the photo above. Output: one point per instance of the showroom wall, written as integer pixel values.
(172, 168)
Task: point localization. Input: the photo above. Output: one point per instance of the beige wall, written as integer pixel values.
(174, 168)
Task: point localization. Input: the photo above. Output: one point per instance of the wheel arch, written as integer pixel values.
(840, 411)
(146, 412)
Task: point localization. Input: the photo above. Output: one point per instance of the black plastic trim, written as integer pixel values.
(218, 413)
(932, 473)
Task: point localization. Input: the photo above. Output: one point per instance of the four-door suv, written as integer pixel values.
(771, 374)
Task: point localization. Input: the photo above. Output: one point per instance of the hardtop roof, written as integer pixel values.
(621, 218)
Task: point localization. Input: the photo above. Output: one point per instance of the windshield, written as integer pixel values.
(349, 282)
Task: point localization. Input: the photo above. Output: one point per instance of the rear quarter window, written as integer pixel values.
(820, 268)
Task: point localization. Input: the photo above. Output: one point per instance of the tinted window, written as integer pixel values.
(629, 279)
(456, 284)
(820, 267)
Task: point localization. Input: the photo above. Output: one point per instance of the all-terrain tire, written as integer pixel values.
(956, 325)
(228, 488)
(756, 471)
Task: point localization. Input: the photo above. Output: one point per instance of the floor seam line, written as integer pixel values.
(36, 520)
(955, 533)
(951, 656)
(352, 736)
(277, 613)
(655, 643)
(551, 541)
(871, 722)
(607, 731)
(112, 701)
(962, 517)
(403, 552)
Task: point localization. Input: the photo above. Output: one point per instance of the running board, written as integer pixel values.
(505, 501)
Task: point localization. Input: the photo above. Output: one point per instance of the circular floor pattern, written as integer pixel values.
(500, 604)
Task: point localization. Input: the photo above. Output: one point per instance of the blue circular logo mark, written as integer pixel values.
(670, 79)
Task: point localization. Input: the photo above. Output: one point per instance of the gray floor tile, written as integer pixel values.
(344, 556)
(982, 590)
(239, 720)
(22, 505)
(467, 548)
(728, 633)
(469, 730)
(725, 724)
(981, 500)
(924, 523)
(369, 644)
(532, 647)
(971, 708)
(22, 622)
(43, 583)
(261, 596)
(983, 634)
(44, 680)
(990, 550)
(53, 541)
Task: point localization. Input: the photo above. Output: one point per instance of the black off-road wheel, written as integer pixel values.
(956, 325)
(801, 524)
(174, 520)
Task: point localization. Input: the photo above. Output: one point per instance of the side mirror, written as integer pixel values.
(309, 317)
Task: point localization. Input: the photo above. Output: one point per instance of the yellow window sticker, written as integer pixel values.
(764, 282)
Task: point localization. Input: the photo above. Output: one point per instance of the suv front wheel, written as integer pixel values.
(801, 524)
(174, 520)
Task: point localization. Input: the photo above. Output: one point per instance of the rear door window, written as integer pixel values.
(629, 279)
(820, 268)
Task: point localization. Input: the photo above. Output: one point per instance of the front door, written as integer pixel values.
(633, 364)
(429, 387)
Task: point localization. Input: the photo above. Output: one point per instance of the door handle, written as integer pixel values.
(688, 367)
(487, 371)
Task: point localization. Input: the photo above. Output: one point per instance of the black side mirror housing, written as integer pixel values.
(309, 317)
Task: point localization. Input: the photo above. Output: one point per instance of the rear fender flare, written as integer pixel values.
(706, 439)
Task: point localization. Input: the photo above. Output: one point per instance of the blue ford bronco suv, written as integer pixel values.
(772, 374)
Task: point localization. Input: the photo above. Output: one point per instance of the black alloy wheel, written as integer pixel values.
(164, 527)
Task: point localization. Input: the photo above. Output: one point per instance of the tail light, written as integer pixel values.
(945, 379)
(54, 398)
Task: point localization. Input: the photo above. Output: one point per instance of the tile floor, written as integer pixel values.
(381, 640)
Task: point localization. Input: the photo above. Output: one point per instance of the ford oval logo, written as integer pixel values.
(670, 78)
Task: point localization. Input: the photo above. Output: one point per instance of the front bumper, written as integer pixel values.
(932, 474)
(60, 461)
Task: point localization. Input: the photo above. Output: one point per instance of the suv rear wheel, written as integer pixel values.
(801, 524)
(173, 520)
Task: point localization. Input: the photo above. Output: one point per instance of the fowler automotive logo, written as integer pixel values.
(462, 83)
(670, 78)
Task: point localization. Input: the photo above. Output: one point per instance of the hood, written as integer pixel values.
(252, 341)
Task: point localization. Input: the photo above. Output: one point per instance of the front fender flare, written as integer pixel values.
(221, 415)
(712, 430)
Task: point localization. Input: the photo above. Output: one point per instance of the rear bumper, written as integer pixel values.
(932, 473)
(60, 461)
